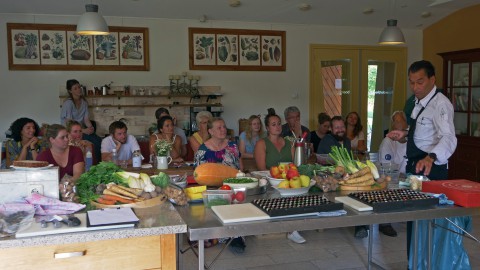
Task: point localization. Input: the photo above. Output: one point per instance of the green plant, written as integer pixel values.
(163, 147)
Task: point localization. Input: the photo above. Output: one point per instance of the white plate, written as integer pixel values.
(294, 191)
(31, 168)
(244, 185)
(261, 173)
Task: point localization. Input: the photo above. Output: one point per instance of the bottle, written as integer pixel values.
(299, 156)
(88, 159)
(114, 156)
(137, 159)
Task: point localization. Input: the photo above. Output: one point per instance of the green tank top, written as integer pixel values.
(273, 157)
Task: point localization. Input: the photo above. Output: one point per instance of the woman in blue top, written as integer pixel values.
(218, 149)
(250, 136)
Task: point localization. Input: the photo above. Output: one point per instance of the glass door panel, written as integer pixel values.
(460, 123)
(476, 73)
(461, 74)
(475, 122)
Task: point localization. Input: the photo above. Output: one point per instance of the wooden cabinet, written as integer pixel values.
(461, 73)
(151, 252)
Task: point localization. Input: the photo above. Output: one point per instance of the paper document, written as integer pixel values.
(110, 216)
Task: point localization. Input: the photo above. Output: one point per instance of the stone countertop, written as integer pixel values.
(157, 220)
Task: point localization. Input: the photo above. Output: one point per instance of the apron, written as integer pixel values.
(415, 154)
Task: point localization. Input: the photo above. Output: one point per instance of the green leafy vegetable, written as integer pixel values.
(103, 173)
(343, 158)
(309, 169)
(238, 180)
(161, 180)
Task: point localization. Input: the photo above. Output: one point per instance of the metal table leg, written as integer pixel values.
(201, 255)
(429, 241)
(370, 242)
(415, 244)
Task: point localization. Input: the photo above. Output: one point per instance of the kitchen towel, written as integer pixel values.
(50, 206)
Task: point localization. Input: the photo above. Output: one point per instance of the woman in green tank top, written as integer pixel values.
(272, 149)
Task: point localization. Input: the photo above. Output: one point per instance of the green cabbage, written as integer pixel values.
(161, 180)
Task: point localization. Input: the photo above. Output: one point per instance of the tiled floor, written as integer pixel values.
(327, 249)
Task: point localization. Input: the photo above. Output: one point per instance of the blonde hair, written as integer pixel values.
(203, 114)
(248, 130)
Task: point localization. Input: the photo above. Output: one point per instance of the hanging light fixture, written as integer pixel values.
(92, 23)
(391, 35)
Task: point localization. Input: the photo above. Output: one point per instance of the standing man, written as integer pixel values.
(159, 113)
(431, 137)
(293, 128)
(124, 144)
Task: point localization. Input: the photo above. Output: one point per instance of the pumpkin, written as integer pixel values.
(213, 174)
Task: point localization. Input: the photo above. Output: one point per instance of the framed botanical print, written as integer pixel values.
(236, 49)
(58, 47)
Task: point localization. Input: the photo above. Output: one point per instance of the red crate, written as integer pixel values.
(463, 192)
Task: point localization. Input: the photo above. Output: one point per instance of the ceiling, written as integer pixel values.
(326, 12)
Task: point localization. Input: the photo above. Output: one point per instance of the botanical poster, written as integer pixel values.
(249, 50)
(25, 47)
(53, 47)
(204, 49)
(227, 49)
(271, 50)
(106, 49)
(132, 49)
(79, 49)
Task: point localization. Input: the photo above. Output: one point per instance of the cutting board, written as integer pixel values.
(359, 206)
(36, 230)
(239, 213)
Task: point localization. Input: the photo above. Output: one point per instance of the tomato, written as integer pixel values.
(240, 196)
(225, 187)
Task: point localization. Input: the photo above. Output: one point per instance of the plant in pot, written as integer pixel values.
(163, 148)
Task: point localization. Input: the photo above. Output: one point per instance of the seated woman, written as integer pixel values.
(274, 149)
(74, 130)
(250, 137)
(76, 108)
(68, 158)
(25, 144)
(355, 133)
(165, 132)
(199, 137)
(218, 149)
(323, 129)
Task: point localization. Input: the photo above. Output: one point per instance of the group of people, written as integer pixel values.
(422, 147)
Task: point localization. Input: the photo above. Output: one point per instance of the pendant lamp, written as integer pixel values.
(391, 35)
(92, 23)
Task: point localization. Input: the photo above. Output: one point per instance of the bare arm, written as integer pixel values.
(194, 144)
(78, 169)
(151, 142)
(260, 154)
(175, 154)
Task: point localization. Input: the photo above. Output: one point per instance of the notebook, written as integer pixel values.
(111, 216)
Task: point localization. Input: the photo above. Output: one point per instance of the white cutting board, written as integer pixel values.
(357, 205)
(36, 230)
(239, 213)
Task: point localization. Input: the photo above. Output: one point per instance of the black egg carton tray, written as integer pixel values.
(295, 205)
(395, 200)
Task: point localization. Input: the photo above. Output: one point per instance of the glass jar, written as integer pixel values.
(137, 159)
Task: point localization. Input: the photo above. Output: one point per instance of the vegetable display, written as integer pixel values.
(102, 173)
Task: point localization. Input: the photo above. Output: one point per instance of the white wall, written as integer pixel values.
(34, 94)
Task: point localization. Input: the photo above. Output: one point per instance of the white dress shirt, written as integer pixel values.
(435, 132)
(393, 151)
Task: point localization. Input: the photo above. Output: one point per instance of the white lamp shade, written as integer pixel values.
(391, 35)
(92, 23)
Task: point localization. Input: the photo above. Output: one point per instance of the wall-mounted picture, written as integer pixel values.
(271, 50)
(249, 50)
(24, 47)
(53, 47)
(236, 49)
(58, 47)
(132, 49)
(227, 50)
(80, 49)
(106, 49)
(204, 45)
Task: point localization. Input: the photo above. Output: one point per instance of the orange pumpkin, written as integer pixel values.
(213, 174)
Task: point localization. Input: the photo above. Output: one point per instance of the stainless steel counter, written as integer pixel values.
(203, 223)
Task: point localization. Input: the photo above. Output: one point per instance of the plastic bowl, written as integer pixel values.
(217, 197)
(274, 181)
(295, 191)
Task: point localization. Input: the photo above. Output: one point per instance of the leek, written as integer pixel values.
(343, 158)
(373, 169)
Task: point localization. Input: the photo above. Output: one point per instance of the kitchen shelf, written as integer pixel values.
(159, 105)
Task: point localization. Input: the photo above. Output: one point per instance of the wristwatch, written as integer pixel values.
(433, 156)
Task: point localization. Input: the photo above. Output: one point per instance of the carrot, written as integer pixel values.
(109, 192)
(105, 201)
(123, 192)
(116, 198)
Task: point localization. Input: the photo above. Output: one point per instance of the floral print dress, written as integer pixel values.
(230, 155)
